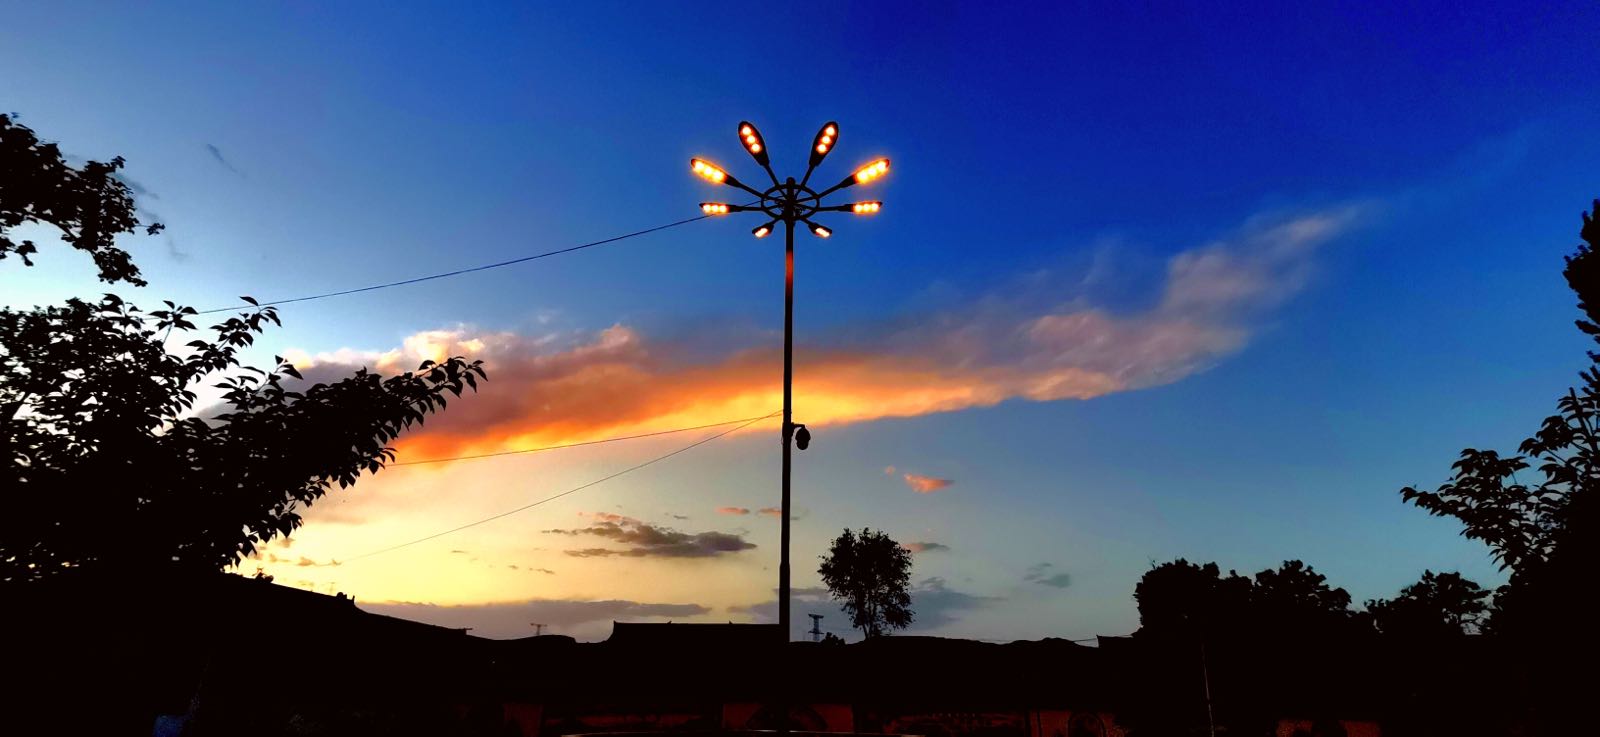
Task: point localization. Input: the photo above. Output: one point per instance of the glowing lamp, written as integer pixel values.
(866, 208)
(714, 208)
(819, 231)
(764, 230)
(752, 141)
(872, 171)
(826, 139)
(708, 171)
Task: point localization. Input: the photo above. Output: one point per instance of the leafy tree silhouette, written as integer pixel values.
(871, 574)
(1188, 601)
(1181, 598)
(1230, 633)
(1294, 598)
(1547, 532)
(90, 206)
(1437, 605)
(1544, 532)
(106, 465)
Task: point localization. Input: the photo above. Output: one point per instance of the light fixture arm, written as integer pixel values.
(730, 181)
(848, 182)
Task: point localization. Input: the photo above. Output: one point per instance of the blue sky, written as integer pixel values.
(1048, 161)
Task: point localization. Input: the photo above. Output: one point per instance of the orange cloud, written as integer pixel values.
(733, 510)
(551, 390)
(926, 484)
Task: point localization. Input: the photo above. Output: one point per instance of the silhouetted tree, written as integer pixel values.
(104, 464)
(871, 574)
(1437, 605)
(1544, 532)
(1183, 598)
(1234, 636)
(1294, 598)
(89, 206)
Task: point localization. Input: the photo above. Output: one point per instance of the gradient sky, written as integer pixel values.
(1150, 281)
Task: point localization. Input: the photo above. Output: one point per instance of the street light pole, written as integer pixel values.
(789, 202)
(788, 421)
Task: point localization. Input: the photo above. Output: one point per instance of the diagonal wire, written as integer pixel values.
(575, 445)
(457, 272)
(573, 490)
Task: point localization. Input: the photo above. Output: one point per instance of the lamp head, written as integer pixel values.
(753, 143)
(871, 171)
(826, 139)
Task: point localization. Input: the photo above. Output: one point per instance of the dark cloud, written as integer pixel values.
(148, 216)
(938, 605)
(644, 540)
(135, 187)
(1041, 574)
(814, 599)
(926, 547)
(679, 517)
(585, 620)
(459, 552)
(545, 570)
(175, 252)
(217, 154)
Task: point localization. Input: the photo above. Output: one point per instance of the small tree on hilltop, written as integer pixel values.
(871, 574)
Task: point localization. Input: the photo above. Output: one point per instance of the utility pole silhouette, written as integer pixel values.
(816, 627)
(538, 628)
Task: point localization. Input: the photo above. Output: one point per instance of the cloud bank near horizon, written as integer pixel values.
(582, 619)
(553, 389)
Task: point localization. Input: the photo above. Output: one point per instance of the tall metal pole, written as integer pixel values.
(788, 419)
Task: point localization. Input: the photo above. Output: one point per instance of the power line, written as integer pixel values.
(575, 445)
(573, 490)
(457, 272)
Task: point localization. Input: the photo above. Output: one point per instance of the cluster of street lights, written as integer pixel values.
(789, 202)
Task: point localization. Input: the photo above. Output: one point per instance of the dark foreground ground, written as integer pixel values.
(225, 655)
